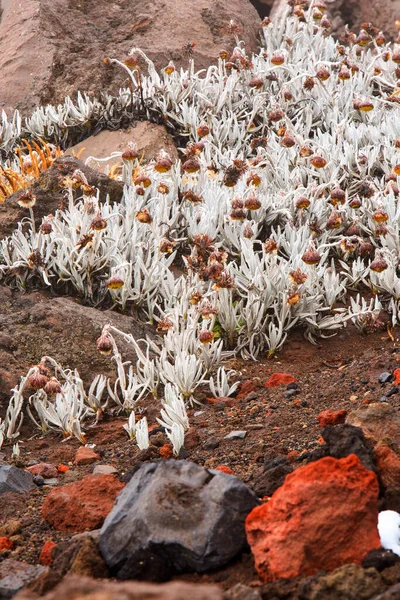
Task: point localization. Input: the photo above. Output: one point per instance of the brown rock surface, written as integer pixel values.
(50, 195)
(81, 556)
(79, 588)
(379, 421)
(149, 137)
(45, 470)
(83, 505)
(34, 325)
(381, 14)
(66, 42)
(86, 456)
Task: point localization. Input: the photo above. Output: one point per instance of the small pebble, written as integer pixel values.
(290, 393)
(391, 392)
(383, 399)
(385, 377)
(292, 386)
(38, 480)
(211, 443)
(236, 435)
(104, 470)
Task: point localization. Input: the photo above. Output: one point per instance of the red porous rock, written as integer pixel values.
(324, 516)
(332, 417)
(224, 469)
(46, 557)
(45, 470)
(279, 379)
(5, 544)
(82, 505)
(388, 465)
(86, 456)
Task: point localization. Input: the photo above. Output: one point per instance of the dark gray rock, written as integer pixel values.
(275, 471)
(380, 559)
(14, 575)
(172, 517)
(15, 480)
(342, 440)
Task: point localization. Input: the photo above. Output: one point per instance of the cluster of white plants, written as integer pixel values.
(283, 210)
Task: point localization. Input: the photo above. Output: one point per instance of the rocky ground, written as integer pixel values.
(260, 435)
(324, 416)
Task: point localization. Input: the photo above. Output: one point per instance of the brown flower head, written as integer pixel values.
(104, 344)
(26, 199)
(143, 216)
(114, 283)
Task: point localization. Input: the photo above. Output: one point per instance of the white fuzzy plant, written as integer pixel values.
(255, 315)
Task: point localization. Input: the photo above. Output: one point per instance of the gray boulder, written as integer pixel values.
(14, 575)
(15, 480)
(175, 516)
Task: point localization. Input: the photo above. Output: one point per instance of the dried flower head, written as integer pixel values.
(144, 216)
(318, 162)
(297, 277)
(206, 336)
(379, 264)
(311, 256)
(167, 246)
(37, 380)
(53, 386)
(26, 199)
(98, 223)
(46, 228)
(115, 283)
(271, 246)
(164, 325)
(131, 152)
(104, 344)
(252, 203)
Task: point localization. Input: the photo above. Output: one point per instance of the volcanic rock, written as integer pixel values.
(14, 575)
(175, 516)
(82, 505)
(388, 465)
(343, 440)
(105, 470)
(15, 480)
(74, 587)
(392, 593)
(380, 559)
(324, 516)
(62, 328)
(379, 421)
(331, 417)
(81, 556)
(50, 194)
(275, 471)
(149, 138)
(45, 470)
(350, 582)
(354, 13)
(86, 456)
(66, 42)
